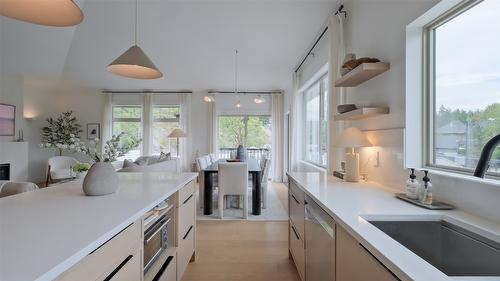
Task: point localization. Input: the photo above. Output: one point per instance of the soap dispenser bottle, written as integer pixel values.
(412, 186)
(426, 190)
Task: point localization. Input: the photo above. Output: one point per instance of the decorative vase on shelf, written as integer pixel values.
(241, 153)
(101, 179)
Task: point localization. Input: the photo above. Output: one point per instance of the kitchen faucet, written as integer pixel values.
(484, 159)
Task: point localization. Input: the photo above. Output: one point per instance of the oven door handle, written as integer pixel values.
(150, 237)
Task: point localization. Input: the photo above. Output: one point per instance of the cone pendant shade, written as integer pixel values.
(134, 63)
(44, 12)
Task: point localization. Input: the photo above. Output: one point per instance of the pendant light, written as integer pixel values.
(209, 98)
(259, 99)
(43, 12)
(238, 104)
(134, 63)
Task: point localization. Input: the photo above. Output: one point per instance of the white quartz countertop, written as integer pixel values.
(353, 204)
(45, 232)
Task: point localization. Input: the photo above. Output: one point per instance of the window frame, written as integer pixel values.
(139, 120)
(321, 112)
(164, 120)
(429, 88)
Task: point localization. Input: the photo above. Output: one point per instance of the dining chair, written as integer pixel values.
(213, 157)
(11, 188)
(233, 180)
(264, 182)
(59, 168)
(208, 160)
(201, 164)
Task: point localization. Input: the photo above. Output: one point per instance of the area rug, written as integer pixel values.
(275, 210)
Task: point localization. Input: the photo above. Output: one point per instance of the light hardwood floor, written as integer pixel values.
(242, 250)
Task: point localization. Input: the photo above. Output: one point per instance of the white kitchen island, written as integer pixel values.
(46, 232)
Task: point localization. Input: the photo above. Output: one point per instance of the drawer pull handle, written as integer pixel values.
(122, 264)
(295, 199)
(295, 232)
(187, 233)
(185, 201)
(163, 268)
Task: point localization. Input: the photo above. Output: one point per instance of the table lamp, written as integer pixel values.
(352, 138)
(177, 133)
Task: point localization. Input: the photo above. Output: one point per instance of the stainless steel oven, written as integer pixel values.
(156, 225)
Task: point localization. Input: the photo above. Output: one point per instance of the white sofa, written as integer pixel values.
(169, 166)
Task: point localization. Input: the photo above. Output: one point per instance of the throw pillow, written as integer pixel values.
(142, 161)
(165, 157)
(129, 163)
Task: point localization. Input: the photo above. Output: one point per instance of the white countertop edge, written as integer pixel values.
(391, 265)
(71, 261)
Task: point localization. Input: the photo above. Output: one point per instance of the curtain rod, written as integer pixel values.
(339, 11)
(275, 92)
(147, 92)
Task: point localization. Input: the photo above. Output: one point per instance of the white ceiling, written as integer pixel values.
(192, 42)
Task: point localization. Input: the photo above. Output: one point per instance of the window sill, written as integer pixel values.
(313, 166)
(470, 178)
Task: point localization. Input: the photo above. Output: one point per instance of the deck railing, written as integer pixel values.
(252, 153)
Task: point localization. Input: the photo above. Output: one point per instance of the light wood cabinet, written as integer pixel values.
(120, 256)
(296, 222)
(355, 263)
(186, 221)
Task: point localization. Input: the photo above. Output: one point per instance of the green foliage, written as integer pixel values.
(81, 167)
(60, 132)
(249, 131)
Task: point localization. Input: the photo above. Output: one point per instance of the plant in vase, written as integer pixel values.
(102, 178)
(61, 132)
(81, 170)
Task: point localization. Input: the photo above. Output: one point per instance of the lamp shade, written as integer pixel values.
(134, 63)
(352, 137)
(177, 133)
(44, 12)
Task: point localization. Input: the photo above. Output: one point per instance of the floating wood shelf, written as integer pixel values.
(362, 113)
(362, 73)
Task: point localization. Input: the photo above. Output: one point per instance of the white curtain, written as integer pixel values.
(277, 141)
(146, 125)
(212, 128)
(107, 120)
(185, 143)
(296, 125)
(337, 52)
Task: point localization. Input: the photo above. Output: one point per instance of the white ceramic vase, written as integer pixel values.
(101, 179)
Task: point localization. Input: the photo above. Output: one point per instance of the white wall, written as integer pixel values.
(377, 28)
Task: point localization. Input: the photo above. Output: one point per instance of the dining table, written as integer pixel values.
(254, 170)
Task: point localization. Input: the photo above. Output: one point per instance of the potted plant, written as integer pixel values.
(102, 179)
(61, 132)
(81, 170)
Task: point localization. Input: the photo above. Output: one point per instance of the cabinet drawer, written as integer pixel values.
(297, 250)
(297, 213)
(185, 192)
(128, 270)
(167, 271)
(355, 263)
(187, 215)
(106, 258)
(295, 189)
(185, 251)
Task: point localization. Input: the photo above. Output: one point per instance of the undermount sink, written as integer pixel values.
(450, 248)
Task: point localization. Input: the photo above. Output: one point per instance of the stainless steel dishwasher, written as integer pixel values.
(320, 243)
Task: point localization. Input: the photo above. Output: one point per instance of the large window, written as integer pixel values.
(165, 119)
(316, 123)
(128, 119)
(464, 86)
(253, 132)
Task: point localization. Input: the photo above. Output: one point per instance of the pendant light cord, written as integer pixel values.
(236, 72)
(135, 31)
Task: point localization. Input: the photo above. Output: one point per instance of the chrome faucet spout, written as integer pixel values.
(484, 159)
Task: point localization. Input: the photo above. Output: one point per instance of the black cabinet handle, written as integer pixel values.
(185, 201)
(295, 199)
(187, 233)
(163, 268)
(295, 232)
(120, 266)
